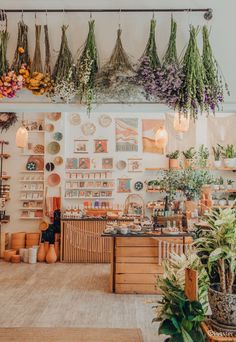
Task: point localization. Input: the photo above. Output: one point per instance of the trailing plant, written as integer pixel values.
(190, 153)
(169, 77)
(173, 155)
(114, 81)
(192, 91)
(229, 151)
(214, 88)
(149, 63)
(217, 151)
(87, 68)
(64, 72)
(21, 56)
(218, 246)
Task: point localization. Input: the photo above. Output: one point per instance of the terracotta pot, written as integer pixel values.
(20, 235)
(8, 254)
(191, 205)
(188, 163)
(51, 257)
(173, 164)
(15, 259)
(46, 246)
(32, 236)
(41, 256)
(57, 249)
(17, 246)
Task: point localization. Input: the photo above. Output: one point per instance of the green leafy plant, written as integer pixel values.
(230, 181)
(221, 180)
(173, 155)
(217, 151)
(203, 152)
(229, 151)
(218, 246)
(190, 153)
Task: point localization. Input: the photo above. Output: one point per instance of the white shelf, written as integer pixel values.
(31, 200)
(92, 198)
(31, 181)
(32, 154)
(31, 218)
(26, 171)
(30, 209)
(88, 170)
(31, 190)
(37, 131)
(100, 189)
(88, 179)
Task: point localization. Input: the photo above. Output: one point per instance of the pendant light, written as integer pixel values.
(22, 135)
(161, 137)
(181, 123)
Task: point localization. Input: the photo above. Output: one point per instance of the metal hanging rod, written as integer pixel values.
(208, 12)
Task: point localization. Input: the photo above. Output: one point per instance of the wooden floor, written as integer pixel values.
(70, 295)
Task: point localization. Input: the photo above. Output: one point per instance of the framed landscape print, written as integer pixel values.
(100, 146)
(80, 146)
(135, 165)
(126, 135)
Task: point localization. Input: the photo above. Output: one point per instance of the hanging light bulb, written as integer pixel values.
(22, 135)
(181, 123)
(161, 137)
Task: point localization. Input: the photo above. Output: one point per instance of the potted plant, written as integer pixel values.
(221, 183)
(189, 156)
(203, 155)
(231, 200)
(230, 183)
(216, 184)
(217, 246)
(173, 159)
(217, 151)
(229, 155)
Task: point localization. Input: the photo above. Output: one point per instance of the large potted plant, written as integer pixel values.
(229, 155)
(173, 159)
(217, 246)
(189, 156)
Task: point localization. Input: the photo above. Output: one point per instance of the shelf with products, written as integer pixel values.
(4, 188)
(30, 218)
(92, 198)
(88, 179)
(89, 170)
(36, 171)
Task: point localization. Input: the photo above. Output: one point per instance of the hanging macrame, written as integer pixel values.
(64, 72)
(21, 57)
(7, 120)
(114, 79)
(214, 87)
(148, 65)
(169, 77)
(87, 67)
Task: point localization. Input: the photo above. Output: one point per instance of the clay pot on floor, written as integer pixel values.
(8, 253)
(32, 239)
(18, 240)
(51, 257)
(57, 249)
(41, 257)
(46, 246)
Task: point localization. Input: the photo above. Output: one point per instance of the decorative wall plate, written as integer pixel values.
(49, 166)
(121, 165)
(88, 128)
(39, 161)
(138, 186)
(49, 127)
(104, 120)
(38, 149)
(54, 116)
(31, 166)
(53, 147)
(75, 119)
(58, 160)
(57, 136)
(54, 179)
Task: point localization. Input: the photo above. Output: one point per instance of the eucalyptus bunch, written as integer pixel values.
(192, 91)
(87, 68)
(169, 77)
(214, 87)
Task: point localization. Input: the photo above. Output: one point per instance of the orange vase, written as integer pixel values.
(46, 246)
(57, 249)
(51, 255)
(41, 257)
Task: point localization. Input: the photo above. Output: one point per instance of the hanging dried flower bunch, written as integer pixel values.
(114, 80)
(10, 83)
(39, 83)
(191, 96)
(214, 88)
(64, 72)
(148, 65)
(7, 120)
(87, 67)
(169, 77)
(21, 57)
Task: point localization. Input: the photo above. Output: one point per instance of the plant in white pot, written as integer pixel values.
(217, 151)
(230, 183)
(229, 155)
(173, 159)
(203, 155)
(189, 156)
(217, 246)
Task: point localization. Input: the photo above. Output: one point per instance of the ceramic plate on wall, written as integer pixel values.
(54, 116)
(138, 186)
(54, 179)
(39, 161)
(53, 147)
(49, 166)
(75, 119)
(49, 127)
(58, 160)
(121, 165)
(88, 128)
(57, 136)
(105, 120)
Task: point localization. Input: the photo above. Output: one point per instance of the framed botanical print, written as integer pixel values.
(100, 146)
(107, 163)
(84, 163)
(135, 165)
(80, 146)
(124, 185)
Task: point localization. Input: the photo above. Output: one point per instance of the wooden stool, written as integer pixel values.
(212, 335)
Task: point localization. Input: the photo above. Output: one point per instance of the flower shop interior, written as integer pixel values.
(117, 171)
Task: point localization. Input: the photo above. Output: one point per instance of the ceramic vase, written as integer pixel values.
(41, 253)
(51, 255)
(46, 246)
(57, 249)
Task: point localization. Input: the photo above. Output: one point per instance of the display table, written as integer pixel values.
(136, 260)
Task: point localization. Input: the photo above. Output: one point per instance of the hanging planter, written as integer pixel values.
(63, 72)
(148, 65)
(192, 90)
(169, 77)
(114, 79)
(214, 88)
(87, 68)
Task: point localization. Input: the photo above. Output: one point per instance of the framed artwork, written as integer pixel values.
(80, 146)
(149, 129)
(124, 185)
(84, 163)
(71, 163)
(107, 163)
(126, 135)
(135, 165)
(100, 146)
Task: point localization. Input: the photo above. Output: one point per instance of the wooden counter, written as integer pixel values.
(137, 261)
